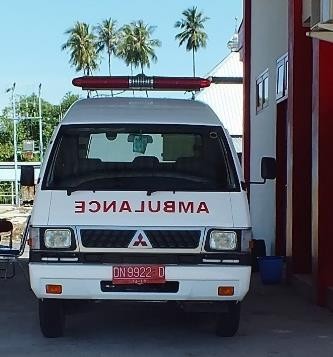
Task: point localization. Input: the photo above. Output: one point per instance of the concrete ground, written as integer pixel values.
(18, 216)
(275, 322)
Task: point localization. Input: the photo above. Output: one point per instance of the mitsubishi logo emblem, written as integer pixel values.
(140, 240)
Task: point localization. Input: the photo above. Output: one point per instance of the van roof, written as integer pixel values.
(140, 111)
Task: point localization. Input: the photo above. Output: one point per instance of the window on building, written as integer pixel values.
(282, 77)
(262, 91)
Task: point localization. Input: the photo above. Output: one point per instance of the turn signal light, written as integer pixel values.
(225, 291)
(53, 289)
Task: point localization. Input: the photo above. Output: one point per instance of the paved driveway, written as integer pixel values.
(275, 322)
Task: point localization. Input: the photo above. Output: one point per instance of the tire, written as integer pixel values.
(51, 318)
(228, 322)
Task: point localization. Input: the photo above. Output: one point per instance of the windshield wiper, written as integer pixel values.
(87, 185)
(150, 191)
(70, 190)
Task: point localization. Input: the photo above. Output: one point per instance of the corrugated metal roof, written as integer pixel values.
(226, 99)
(230, 66)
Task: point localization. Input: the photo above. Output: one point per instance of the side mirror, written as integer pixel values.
(27, 175)
(268, 168)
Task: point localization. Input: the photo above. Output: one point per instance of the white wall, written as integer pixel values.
(226, 99)
(7, 170)
(269, 41)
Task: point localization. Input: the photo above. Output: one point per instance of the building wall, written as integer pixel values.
(7, 170)
(269, 41)
(226, 99)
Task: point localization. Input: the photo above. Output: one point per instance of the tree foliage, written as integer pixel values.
(192, 31)
(27, 114)
(136, 47)
(83, 47)
(132, 43)
(107, 38)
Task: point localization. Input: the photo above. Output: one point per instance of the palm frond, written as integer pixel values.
(192, 35)
(136, 46)
(82, 47)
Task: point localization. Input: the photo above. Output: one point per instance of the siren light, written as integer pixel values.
(141, 82)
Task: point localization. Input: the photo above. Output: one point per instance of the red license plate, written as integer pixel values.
(138, 274)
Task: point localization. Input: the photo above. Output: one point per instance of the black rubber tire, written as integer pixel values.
(228, 322)
(51, 318)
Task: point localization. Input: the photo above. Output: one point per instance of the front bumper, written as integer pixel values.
(196, 283)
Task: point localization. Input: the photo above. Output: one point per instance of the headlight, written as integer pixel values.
(57, 238)
(223, 240)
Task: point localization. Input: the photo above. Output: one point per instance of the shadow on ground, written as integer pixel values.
(275, 322)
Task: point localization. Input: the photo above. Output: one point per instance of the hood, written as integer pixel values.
(110, 208)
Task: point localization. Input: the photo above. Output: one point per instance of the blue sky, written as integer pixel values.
(32, 33)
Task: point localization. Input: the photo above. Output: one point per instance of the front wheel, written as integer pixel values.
(228, 322)
(51, 317)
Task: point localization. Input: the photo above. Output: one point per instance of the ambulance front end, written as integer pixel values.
(144, 211)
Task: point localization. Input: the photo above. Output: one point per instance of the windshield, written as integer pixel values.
(140, 157)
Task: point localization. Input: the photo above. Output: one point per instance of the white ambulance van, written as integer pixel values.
(140, 199)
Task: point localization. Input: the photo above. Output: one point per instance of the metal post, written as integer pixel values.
(12, 192)
(41, 148)
(17, 203)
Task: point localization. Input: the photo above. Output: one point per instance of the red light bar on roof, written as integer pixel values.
(141, 82)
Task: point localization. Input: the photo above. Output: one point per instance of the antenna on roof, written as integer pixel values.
(233, 43)
(236, 24)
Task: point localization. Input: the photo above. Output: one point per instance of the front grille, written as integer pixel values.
(162, 239)
(174, 239)
(105, 238)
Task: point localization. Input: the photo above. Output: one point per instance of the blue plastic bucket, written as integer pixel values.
(271, 269)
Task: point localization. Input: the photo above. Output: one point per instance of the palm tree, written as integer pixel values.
(126, 46)
(107, 38)
(145, 45)
(136, 46)
(192, 26)
(82, 45)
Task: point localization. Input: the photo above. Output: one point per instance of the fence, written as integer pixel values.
(7, 182)
(7, 193)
